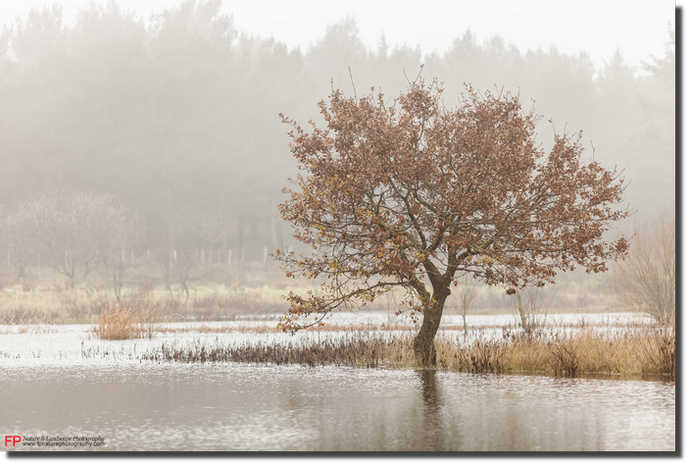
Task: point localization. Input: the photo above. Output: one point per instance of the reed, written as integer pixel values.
(357, 350)
(648, 351)
(127, 320)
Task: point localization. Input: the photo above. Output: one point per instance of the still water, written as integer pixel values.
(228, 407)
(52, 387)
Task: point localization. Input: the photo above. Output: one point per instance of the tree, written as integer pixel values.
(467, 292)
(15, 246)
(528, 307)
(70, 230)
(118, 232)
(655, 134)
(410, 194)
(646, 278)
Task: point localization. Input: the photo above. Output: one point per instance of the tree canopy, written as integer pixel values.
(412, 194)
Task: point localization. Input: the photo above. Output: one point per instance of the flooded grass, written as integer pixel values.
(356, 350)
(647, 351)
(127, 320)
(573, 346)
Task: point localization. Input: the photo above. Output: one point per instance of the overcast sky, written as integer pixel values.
(597, 27)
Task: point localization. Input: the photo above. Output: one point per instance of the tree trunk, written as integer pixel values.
(522, 315)
(424, 345)
(170, 226)
(240, 232)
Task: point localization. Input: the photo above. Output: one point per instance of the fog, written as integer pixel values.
(175, 115)
(596, 28)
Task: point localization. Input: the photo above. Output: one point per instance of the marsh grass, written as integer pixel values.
(360, 349)
(649, 350)
(127, 320)
(646, 351)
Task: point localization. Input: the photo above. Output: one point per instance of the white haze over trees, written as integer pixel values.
(175, 117)
(597, 28)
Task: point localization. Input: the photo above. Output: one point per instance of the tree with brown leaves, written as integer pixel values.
(414, 195)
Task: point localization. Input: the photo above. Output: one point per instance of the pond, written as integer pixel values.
(50, 390)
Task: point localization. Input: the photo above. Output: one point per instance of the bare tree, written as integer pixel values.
(529, 303)
(646, 278)
(14, 247)
(177, 271)
(121, 234)
(70, 230)
(210, 228)
(467, 293)
(4, 242)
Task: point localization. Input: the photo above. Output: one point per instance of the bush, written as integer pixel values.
(646, 278)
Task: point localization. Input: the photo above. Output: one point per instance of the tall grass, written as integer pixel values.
(359, 349)
(649, 351)
(127, 320)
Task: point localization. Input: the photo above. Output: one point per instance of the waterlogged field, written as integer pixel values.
(39, 344)
(65, 382)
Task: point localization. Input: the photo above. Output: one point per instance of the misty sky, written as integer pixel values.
(597, 27)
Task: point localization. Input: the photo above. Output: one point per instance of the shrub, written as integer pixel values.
(646, 278)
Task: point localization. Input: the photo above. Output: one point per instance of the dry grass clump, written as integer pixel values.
(127, 320)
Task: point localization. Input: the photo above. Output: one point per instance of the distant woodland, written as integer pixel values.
(176, 121)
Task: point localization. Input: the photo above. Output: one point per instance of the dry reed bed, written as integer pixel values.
(648, 352)
(590, 350)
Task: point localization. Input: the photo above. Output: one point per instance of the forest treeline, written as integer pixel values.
(176, 118)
